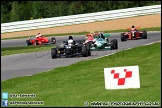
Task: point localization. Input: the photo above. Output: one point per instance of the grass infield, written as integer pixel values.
(25, 49)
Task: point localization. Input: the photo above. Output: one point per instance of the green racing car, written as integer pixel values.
(101, 42)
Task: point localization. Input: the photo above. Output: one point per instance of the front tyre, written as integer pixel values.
(53, 40)
(36, 42)
(122, 37)
(89, 48)
(28, 42)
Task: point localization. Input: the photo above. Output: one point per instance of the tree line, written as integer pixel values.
(12, 11)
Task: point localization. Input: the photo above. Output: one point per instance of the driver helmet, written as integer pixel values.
(133, 26)
(70, 42)
(70, 37)
(92, 32)
(39, 34)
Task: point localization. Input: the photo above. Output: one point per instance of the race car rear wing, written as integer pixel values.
(106, 35)
(135, 27)
(95, 34)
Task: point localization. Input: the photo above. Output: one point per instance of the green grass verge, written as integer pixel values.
(24, 49)
(85, 32)
(84, 81)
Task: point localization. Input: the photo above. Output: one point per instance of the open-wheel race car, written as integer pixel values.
(90, 37)
(40, 40)
(133, 34)
(100, 41)
(71, 48)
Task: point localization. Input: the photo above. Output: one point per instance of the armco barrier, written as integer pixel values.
(79, 19)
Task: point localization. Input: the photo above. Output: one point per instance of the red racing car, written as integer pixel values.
(90, 37)
(133, 34)
(40, 40)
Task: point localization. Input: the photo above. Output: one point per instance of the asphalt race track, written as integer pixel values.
(22, 42)
(28, 64)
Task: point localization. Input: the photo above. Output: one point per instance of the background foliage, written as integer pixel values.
(12, 11)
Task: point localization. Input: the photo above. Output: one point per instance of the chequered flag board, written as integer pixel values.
(122, 77)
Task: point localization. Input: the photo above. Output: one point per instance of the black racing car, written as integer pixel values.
(71, 48)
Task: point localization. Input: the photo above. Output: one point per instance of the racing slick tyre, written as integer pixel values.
(36, 42)
(89, 48)
(84, 51)
(53, 40)
(112, 43)
(116, 43)
(123, 37)
(53, 53)
(144, 35)
(28, 42)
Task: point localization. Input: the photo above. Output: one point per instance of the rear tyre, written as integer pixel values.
(116, 43)
(53, 53)
(112, 43)
(144, 35)
(84, 51)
